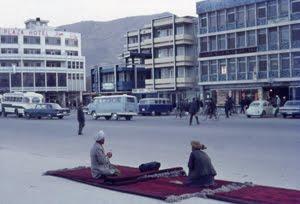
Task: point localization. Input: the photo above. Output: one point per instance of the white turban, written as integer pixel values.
(99, 136)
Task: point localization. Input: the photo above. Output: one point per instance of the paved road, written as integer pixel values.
(264, 150)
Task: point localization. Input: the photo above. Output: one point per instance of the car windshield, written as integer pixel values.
(255, 104)
(292, 103)
(56, 106)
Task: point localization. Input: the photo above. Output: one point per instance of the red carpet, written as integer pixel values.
(161, 188)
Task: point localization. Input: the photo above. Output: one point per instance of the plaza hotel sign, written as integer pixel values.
(45, 33)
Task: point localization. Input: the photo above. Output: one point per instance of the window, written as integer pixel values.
(133, 40)
(262, 63)
(285, 61)
(71, 42)
(212, 22)
(283, 7)
(35, 40)
(262, 39)
(296, 60)
(189, 72)
(53, 52)
(203, 22)
(231, 66)
(180, 50)
(71, 53)
(40, 80)
(28, 63)
(179, 29)
(53, 64)
(273, 62)
(145, 37)
(203, 44)
(32, 51)
(231, 41)
(261, 11)
(62, 79)
(81, 65)
(251, 64)
(295, 6)
(163, 32)
(204, 68)
(213, 67)
(273, 39)
(9, 50)
(163, 52)
(230, 16)
(167, 73)
(284, 37)
(241, 39)
(241, 65)
(8, 39)
(240, 17)
(296, 36)
(51, 79)
(180, 72)
(272, 9)
(28, 79)
(221, 42)
(251, 41)
(52, 41)
(69, 65)
(212, 43)
(251, 18)
(221, 20)
(16, 80)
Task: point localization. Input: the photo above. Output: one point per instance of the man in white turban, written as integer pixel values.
(100, 164)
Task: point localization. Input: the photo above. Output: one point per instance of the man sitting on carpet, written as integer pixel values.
(201, 170)
(100, 164)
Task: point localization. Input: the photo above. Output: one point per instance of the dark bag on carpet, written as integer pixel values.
(151, 166)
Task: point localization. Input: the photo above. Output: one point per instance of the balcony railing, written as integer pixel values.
(273, 74)
(262, 75)
(203, 30)
(295, 16)
(213, 77)
(204, 78)
(222, 28)
(262, 47)
(296, 73)
(241, 76)
(285, 73)
(222, 77)
(232, 77)
(262, 21)
(284, 45)
(296, 44)
(231, 26)
(250, 76)
(273, 46)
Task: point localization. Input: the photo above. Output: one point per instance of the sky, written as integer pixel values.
(61, 12)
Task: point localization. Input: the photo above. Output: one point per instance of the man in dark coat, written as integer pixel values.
(193, 109)
(227, 106)
(80, 118)
(201, 170)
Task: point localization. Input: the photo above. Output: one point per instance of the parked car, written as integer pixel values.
(260, 108)
(47, 110)
(290, 108)
(113, 107)
(155, 106)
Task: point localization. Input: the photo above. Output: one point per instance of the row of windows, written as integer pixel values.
(168, 72)
(248, 16)
(265, 39)
(75, 65)
(276, 65)
(33, 51)
(181, 50)
(76, 76)
(28, 79)
(36, 40)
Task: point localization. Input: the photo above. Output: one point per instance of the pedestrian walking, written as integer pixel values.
(227, 106)
(80, 118)
(243, 104)
(193, 111)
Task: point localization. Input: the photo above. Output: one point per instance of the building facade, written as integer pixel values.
(41, 59)
(117, 79)
(249, 48)
(172, 44)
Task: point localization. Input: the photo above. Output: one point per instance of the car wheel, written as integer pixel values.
(284, 115)
(49, 116)
(128, 117)
(114, 116)
(107, 117)
(39, 117)
(60, 117)
(27, 116)
(263, 114)
(94, 115)
(248, 116)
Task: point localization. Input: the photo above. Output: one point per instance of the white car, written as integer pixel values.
(260, 108)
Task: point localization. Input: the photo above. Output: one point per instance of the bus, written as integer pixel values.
(113, 107)
(17, 102)
(155, 106)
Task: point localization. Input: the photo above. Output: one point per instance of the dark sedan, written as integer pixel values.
(290, 108)
(47, 110)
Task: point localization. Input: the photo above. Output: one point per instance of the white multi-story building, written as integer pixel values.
(172, 44)
(44, 60)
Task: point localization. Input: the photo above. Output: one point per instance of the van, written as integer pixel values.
(155, 106)
(113, 107)
(17, 102)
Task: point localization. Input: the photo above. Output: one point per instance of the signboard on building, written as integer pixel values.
(108, 86)
(143, 91)
(223, 69)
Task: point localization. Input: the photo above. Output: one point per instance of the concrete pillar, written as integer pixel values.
(63, 101)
